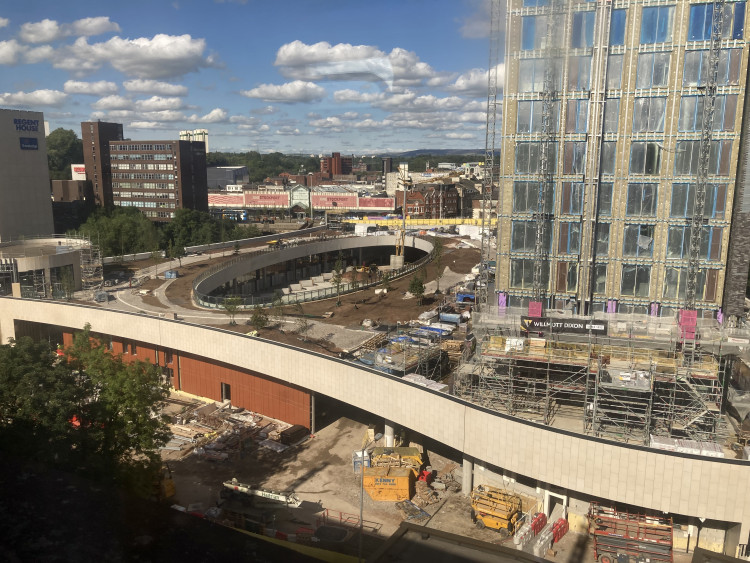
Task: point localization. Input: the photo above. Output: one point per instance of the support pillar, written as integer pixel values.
(312, 413)
(388, 431)
(467, 483)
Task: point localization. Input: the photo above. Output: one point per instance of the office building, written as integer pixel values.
(195, 135)
(25, 204)
(159, 177)
(336, 165)
(96, 136)
(617, 151)
(219, 177)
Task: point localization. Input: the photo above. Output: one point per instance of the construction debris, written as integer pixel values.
(215, 431)
(411, 512)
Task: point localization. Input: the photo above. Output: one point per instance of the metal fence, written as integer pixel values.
(252, 301)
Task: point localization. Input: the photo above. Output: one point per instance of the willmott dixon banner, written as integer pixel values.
(576, 326)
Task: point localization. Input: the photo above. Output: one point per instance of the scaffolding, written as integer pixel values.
(628, 387)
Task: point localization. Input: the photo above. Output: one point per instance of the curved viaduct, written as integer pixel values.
(715, 489)
(241, 265)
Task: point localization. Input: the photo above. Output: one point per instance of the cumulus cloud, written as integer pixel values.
(48, 30)
(266, 110)
(145, 125)
(474, 82)
(10, 51)
(4, 22)
(100, 88)
(143, 86)
(113, 102)
(349, 95)
(163, 56)
(157, 103)
(38, 54)
(35, 98)
(216, 115)
(343, 61)
(454, 136)
(288, 93)
(328, 123)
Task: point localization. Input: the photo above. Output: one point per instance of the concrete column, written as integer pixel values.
(388, 431)
(467, 484)
(312, 413)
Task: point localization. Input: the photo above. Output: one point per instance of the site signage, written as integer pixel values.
(26, 124)
(263, 199)
(379, 203)
(225, 200)
(574, 326)
(78, 171)
(330, 201)
(29, 144)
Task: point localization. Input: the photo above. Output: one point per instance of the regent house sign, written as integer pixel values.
(550, 325)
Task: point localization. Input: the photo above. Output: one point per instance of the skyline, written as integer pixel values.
(324, 77)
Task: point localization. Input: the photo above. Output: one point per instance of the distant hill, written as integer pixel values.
(420, 152)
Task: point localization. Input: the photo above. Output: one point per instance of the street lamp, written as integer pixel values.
(378, 436)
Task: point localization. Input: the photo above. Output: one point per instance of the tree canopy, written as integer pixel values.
(93, 410)
(63, 149)
(121, 230)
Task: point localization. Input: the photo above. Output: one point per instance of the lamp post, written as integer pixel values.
(378, 436)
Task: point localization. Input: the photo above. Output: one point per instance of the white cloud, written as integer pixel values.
(113, 102)
(328, 123)
(38, 54)
(163, 115)
(143, 86)
(48, 30)
(288, 93)
(93, 26)
(35, 98)
(266, 110)
(100, 88)
(349, 95)
(288, 130)
(10, 51)
(40, 32)
(474, 82)
(4, 22)
(145, 125)
(157, 103)
(343, 61)
(453, 136)
(163, 56)
(216, 115)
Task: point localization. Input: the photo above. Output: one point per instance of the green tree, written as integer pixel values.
(338, 277)
(277, 306)
(437, 258)
(231, 306)
(259, 319)
(63, 149)
(121, 230)
(38, 398)
(121, 425)
(385, 281)
(416, 287)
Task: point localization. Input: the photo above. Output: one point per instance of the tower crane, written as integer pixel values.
(405, 181)
(488, 181)
(704, 153)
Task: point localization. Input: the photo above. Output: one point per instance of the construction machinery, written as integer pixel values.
(495, 508)
(287, 498)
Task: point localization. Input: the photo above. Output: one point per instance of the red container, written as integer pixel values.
(539, 522)
(559, 529)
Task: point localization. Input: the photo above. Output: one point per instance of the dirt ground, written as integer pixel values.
(356, 306)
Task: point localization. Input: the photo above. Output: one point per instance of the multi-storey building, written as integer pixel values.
(336, 165)
(25, 206)
(96, 136)
(218, 177)
(616, 149)
(195, 135)
(159, 177)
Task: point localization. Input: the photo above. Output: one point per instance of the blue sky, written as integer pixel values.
(309, 76)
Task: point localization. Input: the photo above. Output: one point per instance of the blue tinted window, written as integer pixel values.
(701, 21)
(583, 29)
(617, 27)
(533, 30)
(656, 24)
(534, 3)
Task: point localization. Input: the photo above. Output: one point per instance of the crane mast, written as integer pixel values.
(489, 151)
(704, 154)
